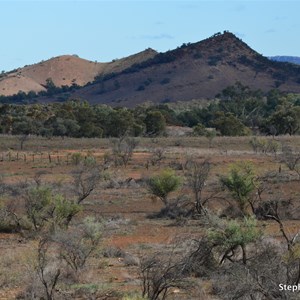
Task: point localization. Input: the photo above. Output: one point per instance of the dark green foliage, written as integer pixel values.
(236, 110)
(155, 123)
(190, 117)
(199, 130)
(120, 122)
(230, 125)
(160, 58)
(243, 103)
(30, 97)
(285, 120)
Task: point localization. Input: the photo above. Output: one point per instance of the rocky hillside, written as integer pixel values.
(63, 70)
(193, 71)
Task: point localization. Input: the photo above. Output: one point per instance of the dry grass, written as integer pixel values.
(127, 207)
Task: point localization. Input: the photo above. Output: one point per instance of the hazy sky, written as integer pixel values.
(32, 31)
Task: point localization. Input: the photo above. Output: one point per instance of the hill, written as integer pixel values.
(65, 70)
(193, 71)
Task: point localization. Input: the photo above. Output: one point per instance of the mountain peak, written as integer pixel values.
(191, 71)
(227, 39)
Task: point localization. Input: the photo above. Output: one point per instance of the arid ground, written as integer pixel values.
(122, 200)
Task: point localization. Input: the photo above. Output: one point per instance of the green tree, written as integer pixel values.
(241, 182)
(61, 209)
(88, 129)
(189, 117)
(199, 130)
(50, 86)
(120, 123)
(163, 184)
(228, 236)
(71, 126)
(229, 125)
(155, 123)
(245, 104)
(59, 128)
(285, 120)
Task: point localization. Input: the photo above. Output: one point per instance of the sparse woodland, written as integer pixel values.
(237, 111)
(149, 218)
(100, 203)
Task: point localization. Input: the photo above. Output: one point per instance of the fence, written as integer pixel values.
(39, 157)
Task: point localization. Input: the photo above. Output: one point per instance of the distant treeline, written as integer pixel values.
(51, 89)
(236, 111)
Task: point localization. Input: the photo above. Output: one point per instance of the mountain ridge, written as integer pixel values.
(63, 70)
(193, 71)
(286, 58)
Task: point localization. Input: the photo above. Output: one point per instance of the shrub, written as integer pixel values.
(240, 182)
(160, 273)
(199, 130)
(229, 235)
(197, 174)
(44, 208)
(164, 183)
(76, 158)
(76, 247)
(122, 150)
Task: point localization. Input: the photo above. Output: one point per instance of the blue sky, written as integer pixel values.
(32, 31)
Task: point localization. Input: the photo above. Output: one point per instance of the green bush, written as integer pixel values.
(199, 130)
(229, 235)
(241, 182)
(46, 209)
(163, 184)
